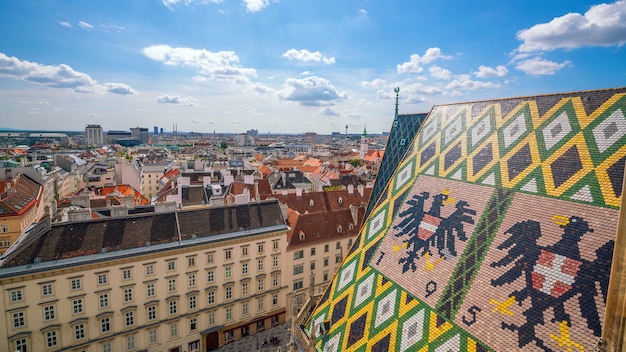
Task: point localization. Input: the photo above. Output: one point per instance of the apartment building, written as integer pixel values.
(167, 280)
(19, 206)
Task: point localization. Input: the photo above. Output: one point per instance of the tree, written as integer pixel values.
(355, 162)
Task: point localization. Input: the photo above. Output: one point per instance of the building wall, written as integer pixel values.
(76, 301)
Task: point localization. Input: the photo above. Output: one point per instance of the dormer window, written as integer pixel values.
(340, 200)
(351, 226)
(302, 235)
(311, 203)
(339, 228)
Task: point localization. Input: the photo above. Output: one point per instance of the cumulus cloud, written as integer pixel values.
(541, 67)
(175, 99)
(414, 65)
(311, 91)
(256, 5)
(601, 25)
(119, 88)
(219, 65)
(61, 76)
(327, 111)
(84, 25)
(65, 24)
(306, 56)
(376, 84)
(466, 83)
(487, 72)
(439, 72)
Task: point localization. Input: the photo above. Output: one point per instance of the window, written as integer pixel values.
(193, 302)
(149, 270)
(350, 240)
(51, 339)
(48, 313)
(260, 284)
(16, 295)
(228, 292)
(275, 280)
(103, 279)
(274, 299)
(152, 336)
(211, 297)
(260, 265)
(210, 276)
(298, 269)
(21, 345)
(244, 251)
(19, 320)
(128, 294)
(79, 331)
(191, 261)
(298, 254)
(129, 318)
(104, 300)
(275, 244)
(325, 276)
(152, 312)
(326, 248)
(297, 285)
(260, 303)
(275, 262)
(5, 242)
(46, 290)
(229, 313)
(211, 318)
(106, 347)
(127, 274)
(312, 266)
(244, 268)
(171, 265)
(150, 292)
(325, 261)
(173, 307)
(209, 258)
(191, 280)
(173, 329)
(337, 259)
(339, 228)
(4, 228)
(77, 306)
(313, 251)
(244, 308)
(75, 284)
(228, 254)
(193, 324)
(244, 288)
(260, 248)
(337, 245)
(171, 285)
(229, 273)
(130, 343)
(105, 325)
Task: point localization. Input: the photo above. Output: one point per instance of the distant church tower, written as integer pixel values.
(364, 144)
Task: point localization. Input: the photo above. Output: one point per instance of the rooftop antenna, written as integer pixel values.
(395, 117)
(346, 130)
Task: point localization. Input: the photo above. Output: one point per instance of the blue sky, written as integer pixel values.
(291, 66)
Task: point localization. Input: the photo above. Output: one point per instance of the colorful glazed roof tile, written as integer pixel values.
(494, 232)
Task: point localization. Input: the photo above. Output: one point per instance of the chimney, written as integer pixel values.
(81, 201)
(164, 207)
(361, 189)
(76, 215)
(350, 189)
(127, 201)
(298, 192)
(119, 211)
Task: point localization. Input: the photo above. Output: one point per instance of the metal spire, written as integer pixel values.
(396, 90)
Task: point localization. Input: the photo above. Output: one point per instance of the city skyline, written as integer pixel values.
(291, 67)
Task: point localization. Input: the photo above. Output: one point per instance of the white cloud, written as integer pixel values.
(119, 88)
(311, 91)
(541, 67)
(171, 3)
(439, 72)
(327, 111)
(415, 61)
(175, 99)
(376, 84)
(65, 24)
(363, 12)
(306, 56)
(465, 82)
(601, 25)
(486, 71)
(61, 76)
(219, 65)
(85, 25)
(256, 5)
